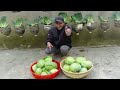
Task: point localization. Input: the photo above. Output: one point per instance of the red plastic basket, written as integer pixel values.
(50, 76)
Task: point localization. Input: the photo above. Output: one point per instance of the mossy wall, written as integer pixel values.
(97, 37)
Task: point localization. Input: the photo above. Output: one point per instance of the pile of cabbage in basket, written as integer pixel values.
(77, 65)
(45, 66)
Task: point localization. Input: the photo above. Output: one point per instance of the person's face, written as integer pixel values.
(59, 25)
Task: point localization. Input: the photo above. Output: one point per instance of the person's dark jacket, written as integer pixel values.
(58, 40)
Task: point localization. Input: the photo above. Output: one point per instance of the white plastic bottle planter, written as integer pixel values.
(91, 26)
(77, 34)
(34, 29)
(105, 25)
(47, 27)
(6, 30)
(74, 30)
(20, 30)
(79, 27)
(117, 24)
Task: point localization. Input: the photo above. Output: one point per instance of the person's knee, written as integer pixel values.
(64, 50)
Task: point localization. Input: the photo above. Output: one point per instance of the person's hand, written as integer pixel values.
(67, 31)
(49, 45)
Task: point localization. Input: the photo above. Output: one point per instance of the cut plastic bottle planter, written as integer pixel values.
(91, 26)
(47, 27)
(20, 30)
(34, 29)
(105, 25)
(117, 24)
(77, 28)
(6, 30)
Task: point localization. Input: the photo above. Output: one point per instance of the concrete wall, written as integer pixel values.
(112, 36)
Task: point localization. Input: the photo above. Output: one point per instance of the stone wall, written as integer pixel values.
(111, 37)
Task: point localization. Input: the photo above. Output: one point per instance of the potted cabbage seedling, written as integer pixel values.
(91, 23)
(33, 26)
(19, 27)
(116, 18)
(67, 18)
(47, 22)
(78, 22)
(4, 26)
(104, 23)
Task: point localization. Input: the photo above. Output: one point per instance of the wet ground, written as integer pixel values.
(15, 64)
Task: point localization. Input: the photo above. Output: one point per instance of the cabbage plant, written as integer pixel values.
(18, 22)
(19, 27)
(46, 20)
(4, 26)
(116, 18)
(104, 23)
(79, 22)
(33, 26)
(91, 23)
(67, 18)
(3, 22)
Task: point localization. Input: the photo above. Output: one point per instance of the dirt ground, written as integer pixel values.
(15, 64)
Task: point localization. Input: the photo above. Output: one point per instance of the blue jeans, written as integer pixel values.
(63, 50)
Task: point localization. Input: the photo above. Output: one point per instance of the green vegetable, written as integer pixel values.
(48, 72)
(3, 22)
(75, 67)
(34, 67)
(32, 22)
(69, 60)
(116, 16)
(86, 64)
(38, 71)
(43, 73)
(47, 20)
(66, 67)
(80, 59)
(18, 22)
(41, 20)
(41, 63)
(53, 70)
(89, 20)
(43, 69)
(45, 66)
(102, 19)
(67, 18)
(48, 58)
(83, 70)
(50, 65)
(77, 18)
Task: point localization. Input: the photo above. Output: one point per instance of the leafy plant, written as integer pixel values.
(116, 16)
(18, 22)
(41, 20)
(77, 18)
(46, 20)
(66, 17)
(32, 22)
(102, 19)
(89, 19)
(104, 23)
(3, 22)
